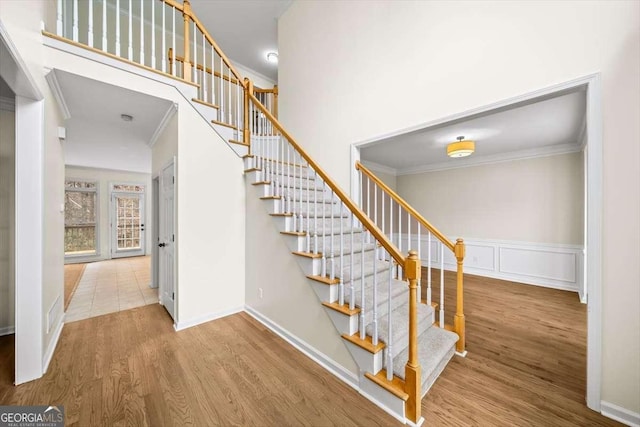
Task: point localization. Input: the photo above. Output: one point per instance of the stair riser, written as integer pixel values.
(365, 360)
(344, 323)
(325, 293)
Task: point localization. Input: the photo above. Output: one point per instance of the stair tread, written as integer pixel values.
(400, 326)
(208, 104)
(434, 346)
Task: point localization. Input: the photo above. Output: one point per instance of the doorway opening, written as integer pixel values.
(576, 262)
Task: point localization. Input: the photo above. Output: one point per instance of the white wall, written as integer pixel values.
(349, 72)
(258, 79)
(7, 220)
(97, 145)
(210, 233)
(23, 23)
(537, 200)
(105, 177)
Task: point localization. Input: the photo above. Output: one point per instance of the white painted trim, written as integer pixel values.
(593, 239)
(7, 104)
(377, 167)
(7, 330)
(21, 81)
(385, 408)
(168, 115)
(553, 150)
(179, 326)
(29, 241)
(492, 265)
(58, 95)
(52, 345)
(620, 414)
(311, 352)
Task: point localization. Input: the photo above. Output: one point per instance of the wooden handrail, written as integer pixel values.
(175, 4)
(210, 39)
(362, 217)
(406, 206)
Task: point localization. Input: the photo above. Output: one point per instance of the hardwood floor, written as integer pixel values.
(525, 367)
(72, 275)
(526, 362)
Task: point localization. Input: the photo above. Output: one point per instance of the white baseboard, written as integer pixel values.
(549, 265)
(48, 355)
(385, 408)
(179, 326)
(7, 330)
(622, 415)
(320, 358)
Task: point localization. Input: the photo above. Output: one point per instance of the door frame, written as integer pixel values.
(29, 212)
(593, 205)
(113, 244)
(158, 176)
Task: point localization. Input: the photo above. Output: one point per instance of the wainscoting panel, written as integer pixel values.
(549, 265)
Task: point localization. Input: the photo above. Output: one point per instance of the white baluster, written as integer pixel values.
(221, 110)
(420, 258)
(230, 107)
(153, 34)
(300, 203)
(163, 54)
(352, 291)
(104, 26)
(130, 42)
(194, 69)
(363, 332)
(173, 40)
(441, 285)
(399, 238)
(213, 80)
(90, 27)
(383, 224)
(204, 69)
(375, 294)
(341, 286)
(117, 26)
(142, 32)
(389, 340)
(59, 26)
(315, 222)
(368, 205)
(323, 261)
(238, 110)
(332, 274)
(429, 267)
(75, 21)
(375, 203)
(308, 215)
(390, 220)
(288, 180)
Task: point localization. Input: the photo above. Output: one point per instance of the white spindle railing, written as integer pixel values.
(404, 224)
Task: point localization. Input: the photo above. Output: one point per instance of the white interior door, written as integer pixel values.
(127, 225)
(166, 241)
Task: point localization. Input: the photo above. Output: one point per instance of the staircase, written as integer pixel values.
(369, 288)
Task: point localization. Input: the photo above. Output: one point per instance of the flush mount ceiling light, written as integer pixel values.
(272, 57)
(461, 148)
(126, 117)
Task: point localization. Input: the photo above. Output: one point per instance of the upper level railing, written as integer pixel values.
(394, 215)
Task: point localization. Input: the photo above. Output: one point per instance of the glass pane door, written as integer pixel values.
(128, 225)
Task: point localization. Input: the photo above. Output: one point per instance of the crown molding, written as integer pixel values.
(377, 167)
(7, 104)
(551, 150)
(52, 79)
(168, 115)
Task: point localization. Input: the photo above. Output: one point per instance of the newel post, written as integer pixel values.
(246, 133)
(412, 372)
(458, 322)
(186, 64)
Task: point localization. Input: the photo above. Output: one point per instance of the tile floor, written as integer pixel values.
(110, 286)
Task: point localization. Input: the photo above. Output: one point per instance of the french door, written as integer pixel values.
(127, 225)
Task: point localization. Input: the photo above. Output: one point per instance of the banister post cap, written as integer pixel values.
(459, 249)
(412, 266)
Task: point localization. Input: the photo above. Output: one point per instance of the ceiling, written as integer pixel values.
(95, 131)
(550, 125)
(245, 30)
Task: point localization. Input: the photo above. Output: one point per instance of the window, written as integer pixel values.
(80, 217)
